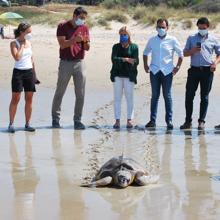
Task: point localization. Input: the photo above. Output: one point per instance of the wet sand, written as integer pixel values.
(41, 172)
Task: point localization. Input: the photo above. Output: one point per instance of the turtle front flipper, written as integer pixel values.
(142, 179)
(101, 182)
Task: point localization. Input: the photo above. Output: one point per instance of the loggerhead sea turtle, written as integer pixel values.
(122, 172)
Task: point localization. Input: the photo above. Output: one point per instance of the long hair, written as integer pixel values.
(22, 27)
(124, 30)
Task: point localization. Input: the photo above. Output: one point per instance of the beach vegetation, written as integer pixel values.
(121, 11)
(103, 22)
(187, 24)
(116, 15)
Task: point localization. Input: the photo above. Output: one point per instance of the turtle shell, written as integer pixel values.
(116, 163)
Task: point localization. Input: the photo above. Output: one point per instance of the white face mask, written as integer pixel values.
(161, 32)
(79, 22)
(28, 36)
(203, 32)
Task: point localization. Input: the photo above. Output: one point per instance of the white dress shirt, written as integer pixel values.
(162, 50)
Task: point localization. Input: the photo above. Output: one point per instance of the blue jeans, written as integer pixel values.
(157, 81)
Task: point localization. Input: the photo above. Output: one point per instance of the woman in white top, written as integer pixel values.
(23, 74)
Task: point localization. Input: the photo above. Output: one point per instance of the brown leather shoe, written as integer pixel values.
(117, 124)
(129, 124)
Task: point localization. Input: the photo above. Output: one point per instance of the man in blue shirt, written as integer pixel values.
(200, 47)
(162, 48)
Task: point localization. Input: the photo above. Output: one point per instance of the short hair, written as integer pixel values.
(80, 10)
(203, 20)
(161, 20)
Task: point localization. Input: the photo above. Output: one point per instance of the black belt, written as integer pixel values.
(200, 67)
(73, 60)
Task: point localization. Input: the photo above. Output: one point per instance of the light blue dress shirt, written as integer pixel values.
(209, 45)
(162, 53)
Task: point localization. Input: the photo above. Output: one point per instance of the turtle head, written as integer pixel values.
(123, 178)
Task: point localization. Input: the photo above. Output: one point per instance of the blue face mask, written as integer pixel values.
(124, 38)
(79, 22)
(161, 32)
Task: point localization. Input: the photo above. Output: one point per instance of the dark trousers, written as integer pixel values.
(157, 81)
(196, 76)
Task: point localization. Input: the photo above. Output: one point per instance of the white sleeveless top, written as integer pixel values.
(25, 62)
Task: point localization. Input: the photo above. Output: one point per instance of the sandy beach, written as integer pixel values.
(41, 172)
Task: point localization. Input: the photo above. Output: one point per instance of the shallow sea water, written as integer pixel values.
(41, 172)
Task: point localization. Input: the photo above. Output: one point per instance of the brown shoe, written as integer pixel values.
(129, 124)
(117, 124)
(201, 125)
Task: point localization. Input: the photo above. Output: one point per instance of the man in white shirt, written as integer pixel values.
(162, 48)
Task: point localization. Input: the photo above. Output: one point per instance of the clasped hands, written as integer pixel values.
(129, 60)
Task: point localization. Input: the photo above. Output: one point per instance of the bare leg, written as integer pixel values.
(28, 106)
(13, 106)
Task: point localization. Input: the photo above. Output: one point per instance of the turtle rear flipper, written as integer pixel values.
(101, 182)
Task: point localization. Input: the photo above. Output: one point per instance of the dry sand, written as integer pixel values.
(40, 173)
